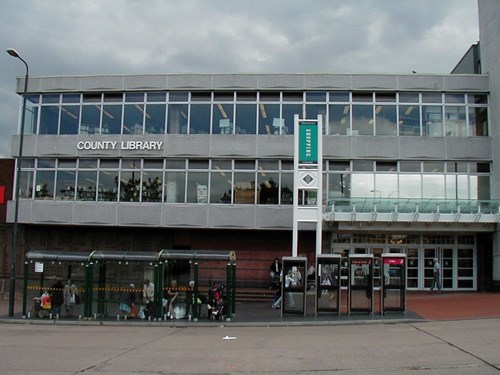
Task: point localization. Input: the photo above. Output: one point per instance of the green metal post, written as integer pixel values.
(157, 293)
(229, 293)
(101, 293)
(25, 288)
(234, 287)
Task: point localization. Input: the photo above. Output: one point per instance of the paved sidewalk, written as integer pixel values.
(421, 306)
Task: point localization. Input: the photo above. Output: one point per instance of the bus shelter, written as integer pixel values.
(360, 290)
(393, 292)
(294, 285)
(208, 269)
(41, 271)
(328, 286)
(104, 276)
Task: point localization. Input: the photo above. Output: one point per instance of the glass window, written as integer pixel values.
(199, 119)
(433, 186)
(432, 118)
(70, 117)
(130, 186)
(409, 120)
(44, 187)
(111, 119)
(269, 118)
(339, 122)
(175, 186)
(244, 164)
(286, 187)
(153, 164)
(177, 118)
(50, 98)
(386, 186)
(315, 96)
(86, 185)
(455, 125)
(31, 114)
(108, 186)
(223, 118)
(156, 97)
(434, 166)
(87, 163)
(223, 96)
(362, 120)
(457, 187)
(362, 97)
(178, 97)
(91, 98)
(131, 97)
(339, 166)
(342, 97)
(197, 187)
(408, 97)
(289, 111)
(287, 165)
(268, 188)
(46, 163)
(339, 185)
(198, 164)
(246, 118)
(409, 166)
(410, 186)
(293, 96)
(480, 167)
(221, 164)
(387, 97)
(314, 110)
(113, 97)
(91, 117)
(65, 185)
(477, 99)
(478, 121)
(26, 184)
(71, 98)
(454, 98)
(49, 119)
(362, 185)
(386, 166)
(244, 188)
(456, 166)
(28, 163)
(155, 118)
(152, 186)
(483, 187)
(362, 165)
(133, 119)
(176, 164)
(220, 186)
(431, 98)
(66, 163)
(268, 165)
(246, 96)
(385, 120)
(109, 163)
(269, 96)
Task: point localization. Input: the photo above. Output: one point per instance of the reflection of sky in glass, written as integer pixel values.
(386, 186)
(362, 185)
(409, 186)
(433, 186)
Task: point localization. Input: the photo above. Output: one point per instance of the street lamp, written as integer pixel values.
(12, 288)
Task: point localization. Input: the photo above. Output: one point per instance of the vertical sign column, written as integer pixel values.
(308, 177)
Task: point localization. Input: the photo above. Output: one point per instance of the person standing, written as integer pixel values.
(70, 295)
(172, 294)
(57, 297)
(436, 282)
(148, 293)
(275, 273)
(127, 300)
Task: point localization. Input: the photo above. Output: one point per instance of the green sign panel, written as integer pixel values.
(308, 143)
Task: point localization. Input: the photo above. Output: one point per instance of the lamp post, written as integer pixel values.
(12, 287)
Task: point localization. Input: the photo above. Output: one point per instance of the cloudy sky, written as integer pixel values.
(80, 37)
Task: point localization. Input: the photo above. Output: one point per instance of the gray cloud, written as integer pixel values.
(166, 36)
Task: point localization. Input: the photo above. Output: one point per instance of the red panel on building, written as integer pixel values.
(2, 194)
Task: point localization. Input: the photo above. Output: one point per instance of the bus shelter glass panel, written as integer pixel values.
(45, 285)
(328, 289)
(117, 284)
(360, 283)
(293, 289)
(394, 285)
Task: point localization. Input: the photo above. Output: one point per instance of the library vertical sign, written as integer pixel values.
(308, 142)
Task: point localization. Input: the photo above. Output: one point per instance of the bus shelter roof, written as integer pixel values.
(57, 256)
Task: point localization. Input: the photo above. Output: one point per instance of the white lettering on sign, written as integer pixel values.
(124, 145)
(308, 143)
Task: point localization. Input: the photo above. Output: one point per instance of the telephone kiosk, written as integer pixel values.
(360, 286)
(328, 291)
(293, 285)
(393, 291)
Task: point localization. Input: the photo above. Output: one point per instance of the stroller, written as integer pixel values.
(217, 303)
(42, 306)
(217, 309)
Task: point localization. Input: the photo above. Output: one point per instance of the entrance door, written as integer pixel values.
(446, 257)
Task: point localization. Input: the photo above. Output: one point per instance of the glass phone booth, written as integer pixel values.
(294, 285)
(360, 290)
(393, 291)
(328, 294)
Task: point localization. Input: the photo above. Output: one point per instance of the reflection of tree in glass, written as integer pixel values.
(151, 190)
(130, 190)
(286, 195)
(268, 192)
